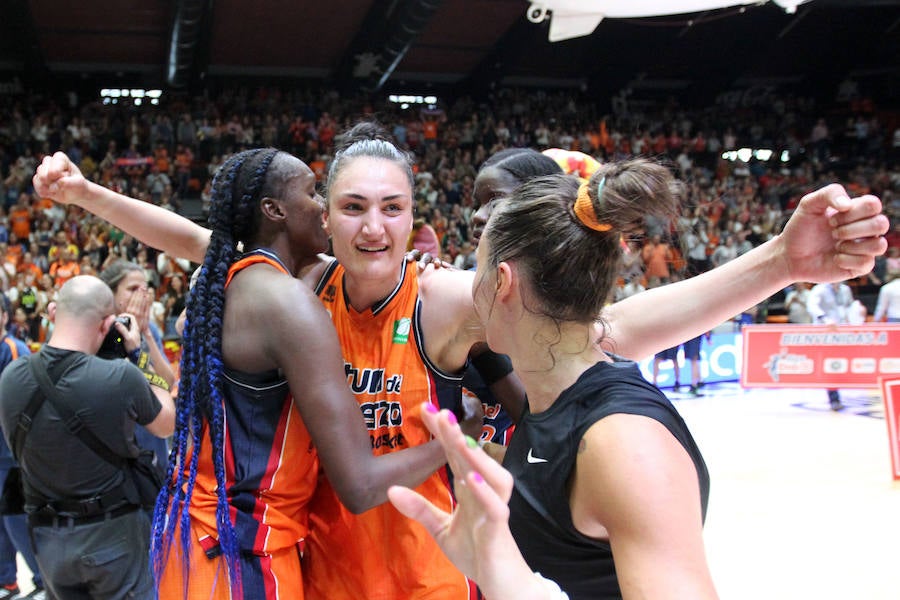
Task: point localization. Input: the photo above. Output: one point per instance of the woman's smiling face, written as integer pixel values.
(370, 218)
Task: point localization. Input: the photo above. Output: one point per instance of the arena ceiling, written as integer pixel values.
(404, 45)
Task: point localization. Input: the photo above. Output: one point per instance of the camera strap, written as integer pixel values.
(26, 417)
(73, 422)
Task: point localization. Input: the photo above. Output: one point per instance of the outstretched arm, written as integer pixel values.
(59, 178)
(828, 238)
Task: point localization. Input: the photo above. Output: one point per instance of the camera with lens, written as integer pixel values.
(114, 344)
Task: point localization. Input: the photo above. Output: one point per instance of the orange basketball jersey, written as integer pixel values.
(271, 468)
(380, 554)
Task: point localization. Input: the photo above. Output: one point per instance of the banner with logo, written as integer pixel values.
(720, 360)
(890, 392)
(820, 356)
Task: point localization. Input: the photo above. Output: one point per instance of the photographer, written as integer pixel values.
(90, 536)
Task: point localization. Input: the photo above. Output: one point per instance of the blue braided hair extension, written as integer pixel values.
(237, 187)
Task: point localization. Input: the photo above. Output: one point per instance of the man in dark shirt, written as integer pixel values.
(90, 536)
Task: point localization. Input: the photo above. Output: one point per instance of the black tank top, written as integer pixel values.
(542, 457)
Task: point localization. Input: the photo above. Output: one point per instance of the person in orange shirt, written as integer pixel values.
(319, 167)
(657, 256)
(161, 158)
(14, 252)
(20, 217)
(184, 159)
(27, 266)
(430, 130)
(64, 268)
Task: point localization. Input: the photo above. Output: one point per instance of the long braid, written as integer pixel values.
(237, 189)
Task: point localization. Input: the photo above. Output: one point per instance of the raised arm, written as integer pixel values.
(828, 238)
(59, 179)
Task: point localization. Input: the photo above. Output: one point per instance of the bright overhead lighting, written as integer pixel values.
(575, 18)
(136, 93)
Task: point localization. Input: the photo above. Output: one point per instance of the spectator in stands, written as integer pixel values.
(892, 264)
(156, 182)
(657, 257)
(64, 267)
(795, 303)
(724, 252)
(174, 301)
(888, 305)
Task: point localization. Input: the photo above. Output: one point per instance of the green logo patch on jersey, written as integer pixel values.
(401, 330)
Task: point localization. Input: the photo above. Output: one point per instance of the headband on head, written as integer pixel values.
(584, 209)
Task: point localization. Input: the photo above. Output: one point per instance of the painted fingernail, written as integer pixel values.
(471, 443)
(431, 408)
(477, 477)
(452, 418)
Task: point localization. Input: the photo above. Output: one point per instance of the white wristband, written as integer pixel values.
(552, 587)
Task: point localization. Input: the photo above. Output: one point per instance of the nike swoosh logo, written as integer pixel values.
(534, 459)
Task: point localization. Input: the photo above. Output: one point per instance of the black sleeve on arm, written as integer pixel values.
(492, 366)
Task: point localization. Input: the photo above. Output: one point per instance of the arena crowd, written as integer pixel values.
(166, 155)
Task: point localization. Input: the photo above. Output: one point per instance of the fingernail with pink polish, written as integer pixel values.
(452, 418)
(477, 477)
(431, 408)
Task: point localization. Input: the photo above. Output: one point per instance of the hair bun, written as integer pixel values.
(362, 131)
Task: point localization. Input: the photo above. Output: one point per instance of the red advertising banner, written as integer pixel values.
(820, 356)
(890, 391)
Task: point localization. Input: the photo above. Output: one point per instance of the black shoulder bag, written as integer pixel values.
(144, 472)
(12, 501)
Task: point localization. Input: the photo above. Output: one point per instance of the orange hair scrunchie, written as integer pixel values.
(584, 209)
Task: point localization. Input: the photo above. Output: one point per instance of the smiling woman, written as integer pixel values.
(380, 309)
